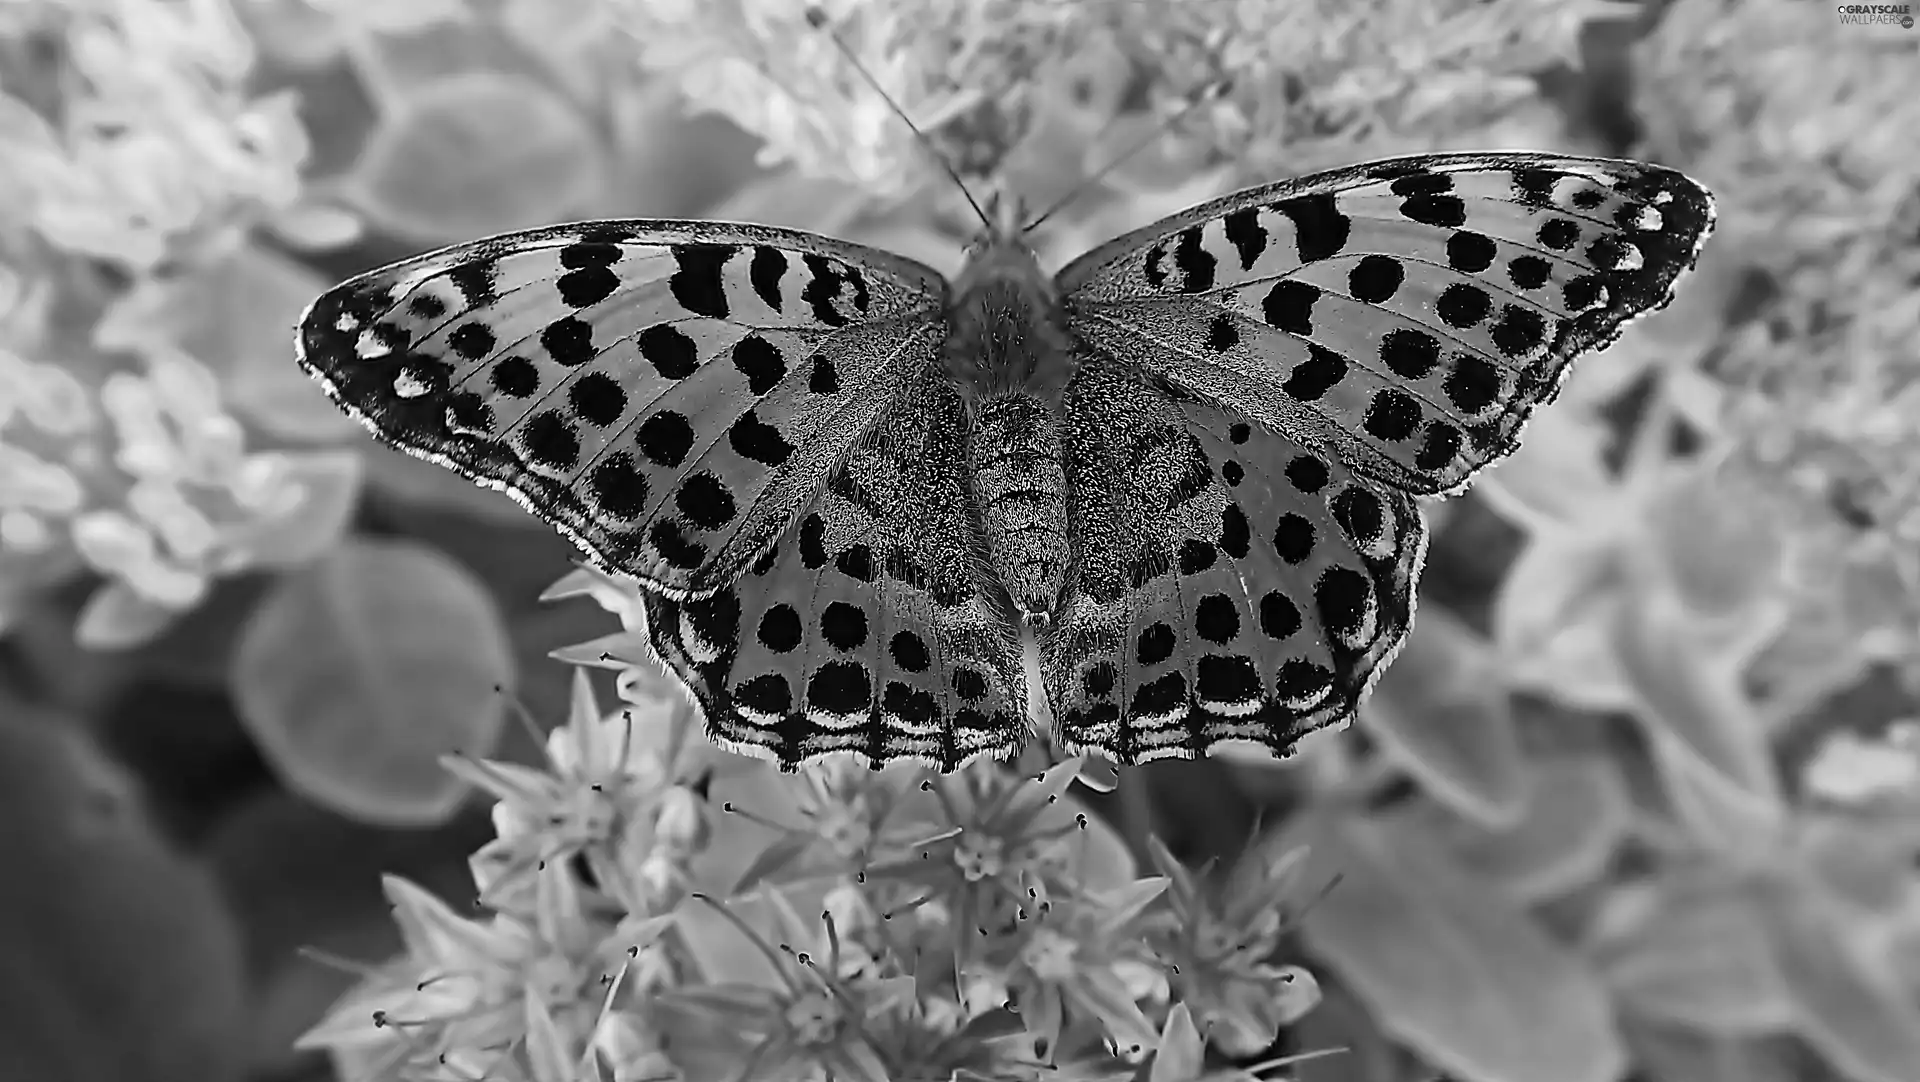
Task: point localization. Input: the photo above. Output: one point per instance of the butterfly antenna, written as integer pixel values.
(1211, 92)
(817, 19)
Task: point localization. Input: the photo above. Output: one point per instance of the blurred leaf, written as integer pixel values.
(435, 487)
(360, 671)
(122, 964)
(1721, 551)
(1856, 1012)
(329, 487)
(1576, 811)
(301, 34)
(315, 226)
(413, 47)
(292, 32)
(476, 154)
(566, 35)
(1673, 1054)
(1739, 824)
(1442, 709)
(1447, 964)
(1868, 861)
(1342, 1022)
(116, 617)
(1693, 950)
(1556, 477)
(1553, 618)
(1709, 741)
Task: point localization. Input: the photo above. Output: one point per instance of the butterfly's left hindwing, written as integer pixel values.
(873, 626)
(668, 394)
(1408, 315)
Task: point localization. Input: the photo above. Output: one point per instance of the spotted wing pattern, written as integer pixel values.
(873, 626)
(1235, 583)
(761, 427)
(1272, 378)
(1405, 316)
(668, 394)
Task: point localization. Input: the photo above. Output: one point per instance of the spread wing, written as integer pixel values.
(1404, 316)
(1271, 379)
(668, 394)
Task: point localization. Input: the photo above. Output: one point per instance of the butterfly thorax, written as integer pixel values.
(1010, 356)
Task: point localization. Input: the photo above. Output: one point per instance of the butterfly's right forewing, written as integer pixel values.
(669, 394)
(1407, 315)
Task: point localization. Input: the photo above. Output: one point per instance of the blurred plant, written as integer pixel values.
(1814, 168)
(136, 161)
(1003, 87)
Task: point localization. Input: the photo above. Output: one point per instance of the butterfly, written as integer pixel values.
(1178, 481)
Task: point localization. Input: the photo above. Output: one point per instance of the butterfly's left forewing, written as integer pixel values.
(668, 394)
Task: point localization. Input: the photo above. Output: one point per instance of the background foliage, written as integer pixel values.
(1640, 800)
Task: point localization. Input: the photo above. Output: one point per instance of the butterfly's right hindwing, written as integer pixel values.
(668, 394)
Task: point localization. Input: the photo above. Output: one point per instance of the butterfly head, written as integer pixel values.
(1007, 329)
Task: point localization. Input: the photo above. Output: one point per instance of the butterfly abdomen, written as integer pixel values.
(1013, 448)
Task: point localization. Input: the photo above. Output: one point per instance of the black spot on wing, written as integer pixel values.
(1375, 279)
(699, 283)
(1195, 262)
(755, 439)
(761, 362)
(471, 340)
(1247, 235)
(569, 341)
(618, 488)
(1320, 230)
(597, 399)
(1288, 306)
(588, 280)
(1222, 334)
(550, 441)
(1315, 376)
(823, 377)
(1534, 188)
(825, 282)
(1470, 252)
(515, 377)
(665, 438)
(764, 274)
(668, 348)
(476, 283)
(587, 286)
(1409, 353)
(426, 306)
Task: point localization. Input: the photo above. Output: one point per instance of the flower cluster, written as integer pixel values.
(1266, 84)
(135, 161)
(656, 908)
